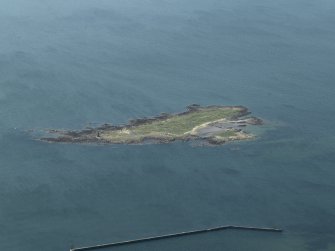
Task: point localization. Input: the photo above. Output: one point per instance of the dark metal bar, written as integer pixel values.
(153, 238)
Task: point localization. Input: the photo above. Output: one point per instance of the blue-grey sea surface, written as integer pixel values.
(69, 63)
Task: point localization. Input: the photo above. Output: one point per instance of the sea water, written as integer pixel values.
(66, 64)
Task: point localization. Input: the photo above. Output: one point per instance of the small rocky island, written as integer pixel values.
(210, 124)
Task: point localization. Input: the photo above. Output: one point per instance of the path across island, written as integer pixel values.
(153, 238)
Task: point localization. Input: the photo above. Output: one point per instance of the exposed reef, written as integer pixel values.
(212, 124)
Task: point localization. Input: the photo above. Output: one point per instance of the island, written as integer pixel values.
(213, 125)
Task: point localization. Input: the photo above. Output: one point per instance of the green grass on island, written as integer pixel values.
(214, 124)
